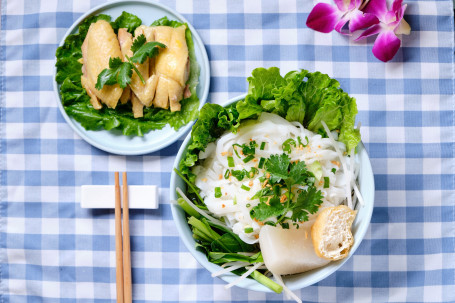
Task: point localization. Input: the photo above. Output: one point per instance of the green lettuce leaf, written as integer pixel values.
(263, 81)
(126, 20)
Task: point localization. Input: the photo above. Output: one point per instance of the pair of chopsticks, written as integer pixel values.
(122, 247)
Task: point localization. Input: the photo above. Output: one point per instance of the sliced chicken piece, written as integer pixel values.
(138, 107)
(147, 31)
(126, 95)
(175, 92)
(93, 99)
(162, 93)
(144, 92)
(99, 45)
(173, 60)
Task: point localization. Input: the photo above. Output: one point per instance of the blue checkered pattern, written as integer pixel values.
(54, 251)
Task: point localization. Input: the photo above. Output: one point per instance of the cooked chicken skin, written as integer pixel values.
(172, 61)
(99, 45)
(144, 92)
(138, 107)
(172, 67)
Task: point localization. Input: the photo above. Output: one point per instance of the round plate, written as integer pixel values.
(114, 141)
(296, 281)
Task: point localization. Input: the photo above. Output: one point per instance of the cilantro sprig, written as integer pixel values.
(120, 72)
(284, 175)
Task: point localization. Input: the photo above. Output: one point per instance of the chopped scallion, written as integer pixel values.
(248, 230)
(248, 159)
(230, 161)
(248, 205)
(326, 182)
(244, 187)
(227, 174)
(334, 170)
(218, 193)
(261, 162)
(262, 146)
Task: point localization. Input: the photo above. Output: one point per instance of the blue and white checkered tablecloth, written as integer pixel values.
(54, 251)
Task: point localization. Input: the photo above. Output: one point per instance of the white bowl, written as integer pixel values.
(296, 281)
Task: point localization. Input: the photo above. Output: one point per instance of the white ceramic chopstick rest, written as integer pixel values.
(103, 196)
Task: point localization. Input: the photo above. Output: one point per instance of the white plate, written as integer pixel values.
(114, 141)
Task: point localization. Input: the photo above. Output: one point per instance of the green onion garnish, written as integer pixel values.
(235, 200)
(245, 187)
(218, 192)
(261, 162)
(227, 173)
(248, 205)
(248, 159)
(230, 161)
(334, 170)
(248, 230)
(262, 146)
(326, 182)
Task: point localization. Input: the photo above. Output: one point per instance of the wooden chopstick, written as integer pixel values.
(128, 298)
(118, 241)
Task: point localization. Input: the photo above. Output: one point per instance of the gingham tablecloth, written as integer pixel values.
(54, 251)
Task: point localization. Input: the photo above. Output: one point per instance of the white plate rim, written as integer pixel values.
(174, 137)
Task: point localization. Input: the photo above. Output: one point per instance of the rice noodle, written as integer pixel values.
(287, 291)
(200, 211)
(235, 203)
(246, 274)
(229, 269)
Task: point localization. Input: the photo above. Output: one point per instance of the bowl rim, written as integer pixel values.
(204, 65)
(249, 283)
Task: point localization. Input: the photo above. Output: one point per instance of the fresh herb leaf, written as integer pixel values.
(262, 211)
(308, 202)
(277, 166)
(118, 72)
(266, 191)
(142, 50)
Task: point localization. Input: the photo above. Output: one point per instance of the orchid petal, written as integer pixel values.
(397, 5)
(360, 20)
(403, 28)
(377, 8)
(340, 24)
(375, 29)
(386, 46)
(342, 5)
(323, 18)
(352, 5)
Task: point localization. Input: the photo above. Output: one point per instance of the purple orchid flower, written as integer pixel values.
(326, 18)
(391, 24)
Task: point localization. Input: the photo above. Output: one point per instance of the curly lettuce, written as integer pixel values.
(308, 98)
